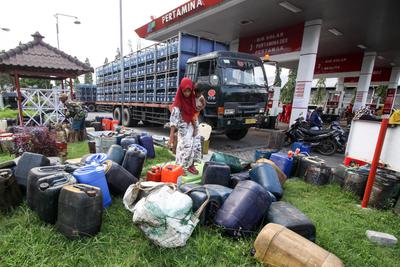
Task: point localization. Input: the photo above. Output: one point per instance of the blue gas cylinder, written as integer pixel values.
(97, 158)
(146, 141)
(283, 162)
(95, 176)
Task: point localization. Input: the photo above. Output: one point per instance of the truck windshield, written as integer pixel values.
(242, 72)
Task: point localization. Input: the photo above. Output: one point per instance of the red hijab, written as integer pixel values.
(187, 105)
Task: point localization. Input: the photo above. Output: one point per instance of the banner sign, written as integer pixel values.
(281, 41)
(378, 75)
(338, 64)
(388, 104)
(189, 8)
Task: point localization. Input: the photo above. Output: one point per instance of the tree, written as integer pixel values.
(106, 60)
(39, 83)
(5, 81)
(76, 81)
(320, 94)
(278, 81)
(88, 76)
(287, 91)
(380, 91)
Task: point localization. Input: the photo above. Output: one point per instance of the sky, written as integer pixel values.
(97, 37)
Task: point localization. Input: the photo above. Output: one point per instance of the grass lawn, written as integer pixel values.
(341, 226)
(9, 113)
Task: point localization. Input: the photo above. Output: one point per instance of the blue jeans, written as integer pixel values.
(78, 125)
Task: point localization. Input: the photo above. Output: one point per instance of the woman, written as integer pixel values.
(188, 150)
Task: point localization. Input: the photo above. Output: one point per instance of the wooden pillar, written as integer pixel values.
(19, 96)
(71, 88)
(62, 86)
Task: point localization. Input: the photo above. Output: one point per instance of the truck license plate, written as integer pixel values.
(250, 121)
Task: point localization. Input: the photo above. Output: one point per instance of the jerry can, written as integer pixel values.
(34, 175)
(118, 178)
(10, 194)
(95, 176)
(48, 190)
(154, 174)
(216, 173)
(116, 153)
(80, 211)
(278, 246)
(147, 142)
(244, 208)
(170, 173)
(283, 161)
(129, 140)
(134, 161)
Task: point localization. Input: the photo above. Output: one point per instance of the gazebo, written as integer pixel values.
(40, 60)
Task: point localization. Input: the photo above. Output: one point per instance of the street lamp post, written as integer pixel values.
(63, 15)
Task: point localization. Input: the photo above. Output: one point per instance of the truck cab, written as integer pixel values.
(236, 91)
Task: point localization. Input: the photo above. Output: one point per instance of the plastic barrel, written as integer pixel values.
(95, 176)
(138, 147)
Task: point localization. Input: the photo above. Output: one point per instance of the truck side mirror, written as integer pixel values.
(214, 80)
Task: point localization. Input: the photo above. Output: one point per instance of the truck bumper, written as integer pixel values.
(227, 123)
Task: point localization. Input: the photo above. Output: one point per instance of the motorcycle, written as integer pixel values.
(324, 141)
(341, 139)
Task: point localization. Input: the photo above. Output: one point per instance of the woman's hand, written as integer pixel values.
(171, 138)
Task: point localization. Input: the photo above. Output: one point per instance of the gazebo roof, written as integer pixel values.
(38, 59)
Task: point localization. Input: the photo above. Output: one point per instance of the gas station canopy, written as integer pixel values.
(357, 39)
(348, 27)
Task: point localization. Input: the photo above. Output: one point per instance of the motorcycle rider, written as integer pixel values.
(315, 119)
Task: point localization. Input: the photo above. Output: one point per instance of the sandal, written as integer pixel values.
(193, 170)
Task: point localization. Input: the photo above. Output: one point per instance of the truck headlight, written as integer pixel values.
(262, 110)
(229, 111)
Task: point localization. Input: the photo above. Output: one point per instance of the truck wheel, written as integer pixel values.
(127, 119)
(91, 108)
(237, 134)
(117, 114)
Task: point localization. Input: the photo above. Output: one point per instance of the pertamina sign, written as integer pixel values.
(338, 64)
(189, 8)
(285, 40)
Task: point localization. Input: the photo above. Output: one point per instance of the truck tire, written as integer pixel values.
(237, 134)
(117, 114)
(91, 108)
(127, 119)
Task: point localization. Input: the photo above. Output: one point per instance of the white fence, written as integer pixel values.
(42, 106)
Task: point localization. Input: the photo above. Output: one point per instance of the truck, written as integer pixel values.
(236, 85)
(87, 94)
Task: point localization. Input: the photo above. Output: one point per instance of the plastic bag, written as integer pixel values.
(137, 191)
(165, 216)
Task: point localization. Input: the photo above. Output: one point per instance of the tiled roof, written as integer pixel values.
(40, 55)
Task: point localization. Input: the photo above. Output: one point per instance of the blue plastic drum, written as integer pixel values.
(95, 176)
